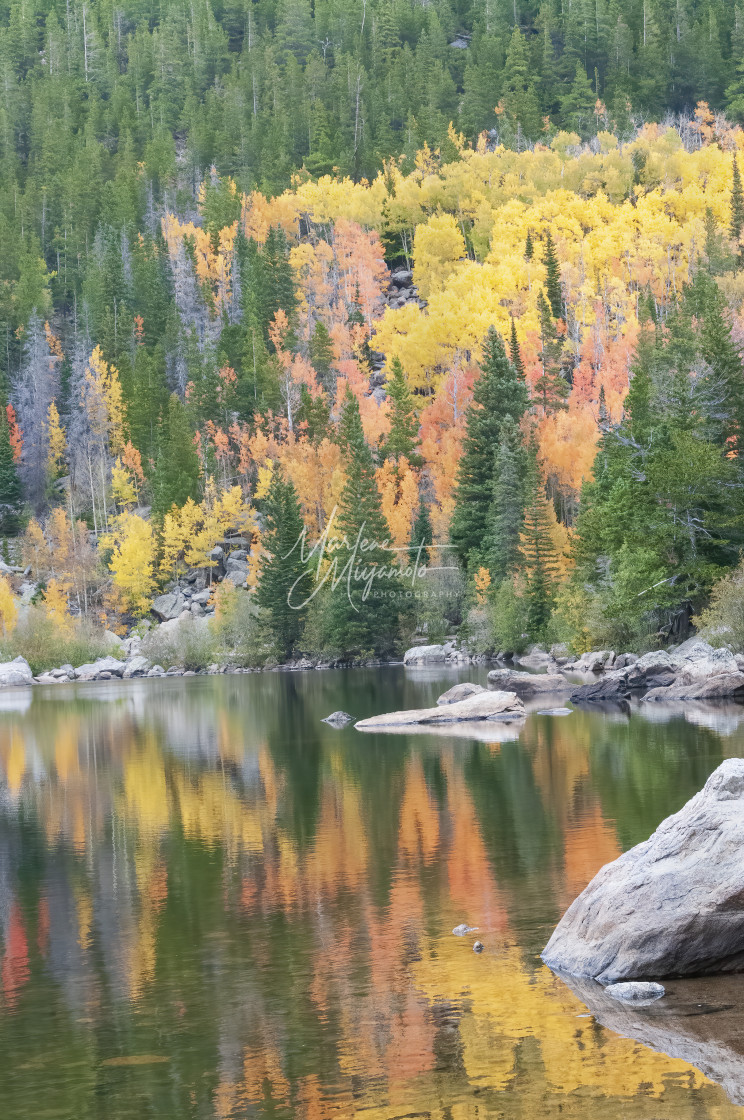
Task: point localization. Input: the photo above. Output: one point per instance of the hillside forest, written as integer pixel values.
(432, 313)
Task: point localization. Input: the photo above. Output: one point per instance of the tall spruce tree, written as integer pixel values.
(506, 515)
(553, 278)
(737, 206)
(422, 537)
(538, 553)
(285, 580)
(176, 475)
(497, 393)
(363, 611)
(10, 483)
(402, 439)
(551, 388)
(514, 352)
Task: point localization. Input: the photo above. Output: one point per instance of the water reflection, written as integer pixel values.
(214, 905)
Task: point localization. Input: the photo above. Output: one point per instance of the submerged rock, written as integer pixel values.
(699, 1023)
(15, 672)
(461, 930)
(636, 991)
(671, 906)
(482, 706)
(527, 685)
(460, 692)
(338, 719)
(478, 947)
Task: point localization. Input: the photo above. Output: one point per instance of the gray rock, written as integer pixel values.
(338, 719)
(236, 576)
(15, 672)
(595, 662)
(478, 947)
(729, 686)
(527, 685)
(555, 712)
(217, 554)
(137, 666)
(113, 641)
(201, 597)
(460, 692)
(536, 659)
(482, 706)
(671, 906)
(92, 670)
(156, 671)
(461, 930)
(401, 277)
(424, 655)
(197, 610)
(236, 564)
(701, 660)
(623, 660)
(610, 686)
(652, 669)
(168, 606)
(238, 554)
(636, 991)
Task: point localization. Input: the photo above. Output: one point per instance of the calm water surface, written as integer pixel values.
(213, 905)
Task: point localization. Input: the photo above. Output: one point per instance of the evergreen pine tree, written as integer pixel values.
(538, 553)
(421, 537)
(737, 206)
(362, 614)
(322, 357)
(176, 475)
(498, 392)
(514, 352)
(404, 426)
(553, 278)
(551, 387)
(506, 515)
(285, 581)
(529, 248)
(315, 414)
(10, 484)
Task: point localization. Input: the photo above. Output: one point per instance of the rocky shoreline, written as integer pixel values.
(693, 671)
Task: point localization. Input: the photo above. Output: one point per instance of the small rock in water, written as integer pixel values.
(635, 992)
(338, 719)
(460, 931)
(556, 712)
(478, 947)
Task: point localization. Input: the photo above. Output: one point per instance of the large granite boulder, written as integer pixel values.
(700, 660)
(610, 686)
(110, 665)
(527, 685)
(168, 606)
(595, 662)
(726, 686)
(460, 691)
(652, 670)
(424, 655)
(671, 906)
(482, 706)
(15, 672)
(137, 666)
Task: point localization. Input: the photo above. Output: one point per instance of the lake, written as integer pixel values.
(214, 905)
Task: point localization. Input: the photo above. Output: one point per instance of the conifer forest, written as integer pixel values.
(461, 281)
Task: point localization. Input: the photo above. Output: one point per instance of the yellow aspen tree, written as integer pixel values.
(56, 606)
(56, 442)
(122, 487)
(8, 607)
(132, 561)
